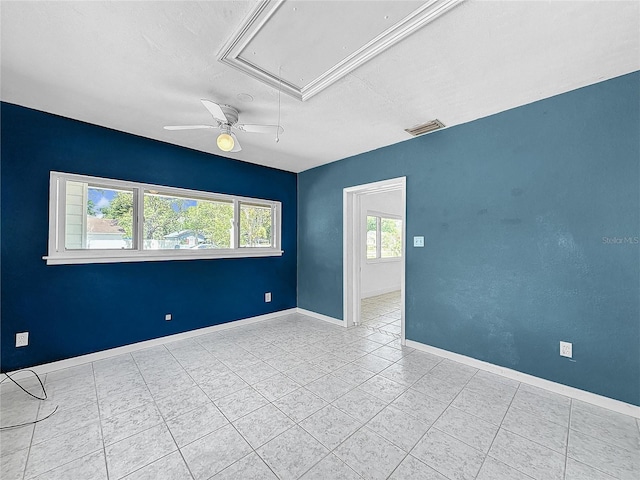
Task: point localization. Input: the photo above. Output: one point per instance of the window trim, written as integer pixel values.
(379, 216)
(59, 255)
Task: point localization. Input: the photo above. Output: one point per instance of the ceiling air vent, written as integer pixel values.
(425, 128)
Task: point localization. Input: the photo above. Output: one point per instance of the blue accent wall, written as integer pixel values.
(531, 224)
(71, 310)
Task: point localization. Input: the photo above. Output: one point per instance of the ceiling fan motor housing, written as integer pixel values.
(231, 114)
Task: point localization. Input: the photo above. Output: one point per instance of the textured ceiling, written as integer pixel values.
(137, 66)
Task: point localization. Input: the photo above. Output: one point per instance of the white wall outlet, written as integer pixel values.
(267, 297)
(22, 339)
(418, 241)
(566, 349)
(167, 317)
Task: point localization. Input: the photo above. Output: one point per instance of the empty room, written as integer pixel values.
(320, 240)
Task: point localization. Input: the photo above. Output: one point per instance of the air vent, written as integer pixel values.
(425, 128)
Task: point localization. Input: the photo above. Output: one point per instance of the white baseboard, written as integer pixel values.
(112, 352)
(320, 316)
(380, 291)
(588, 397)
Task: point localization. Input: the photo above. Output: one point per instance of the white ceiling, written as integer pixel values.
(137, 66)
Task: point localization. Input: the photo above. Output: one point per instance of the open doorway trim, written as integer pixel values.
(353, 246)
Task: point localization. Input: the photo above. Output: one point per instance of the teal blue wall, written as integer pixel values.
(514, 208)
(70, 310)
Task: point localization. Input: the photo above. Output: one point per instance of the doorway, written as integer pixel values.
(364, 247)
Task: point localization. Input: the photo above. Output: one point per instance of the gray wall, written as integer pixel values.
(519, 211)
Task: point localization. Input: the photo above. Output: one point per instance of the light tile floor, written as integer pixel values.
(297, 398)
(381, 313)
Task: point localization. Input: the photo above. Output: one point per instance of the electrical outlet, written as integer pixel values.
(566, 349)
(267, 297)
(22, 339)
(167, 317)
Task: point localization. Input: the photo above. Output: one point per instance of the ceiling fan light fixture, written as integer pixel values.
(225, 142)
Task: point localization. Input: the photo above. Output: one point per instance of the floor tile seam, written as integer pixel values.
(349, 414)
(422, 392)
(433, 467)
(33, 432)
(107, 445)
(156, 460)
(239, 460)
(597, 468)
(244, 415)
(330, 450)
(565, 455)
(67, 431)
(616, 417)
(254, 450)
(390, 440)
(360, 428)
(164, 422)
(566, 446)
(71, 388)
(615, 424)
(188, 374)
(495, 388)
(62, 408)
(549, 397)
(104, 447)
(432, 426)
(181, 455)
(613, 445)
(496, 436)
(546, 419)
(407, 385)
(67, 462)
(437, 418)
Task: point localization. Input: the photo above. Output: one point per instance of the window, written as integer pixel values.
(384, 237)
(97, 220)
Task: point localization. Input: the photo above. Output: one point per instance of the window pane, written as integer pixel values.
(89, 220)
(255, 225)
(184, 223)
(372, 225)
(391, 237)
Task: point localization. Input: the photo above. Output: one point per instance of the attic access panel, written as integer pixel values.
(310, 45)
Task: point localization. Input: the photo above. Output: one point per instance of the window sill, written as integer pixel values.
(118, 256)
(373, 261)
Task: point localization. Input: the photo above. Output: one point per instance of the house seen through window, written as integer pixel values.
(102, 214)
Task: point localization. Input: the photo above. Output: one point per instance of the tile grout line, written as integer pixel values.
(498, 431)
(33, 434)
(164, 420)
(566, 446)
(253, 450)
(244, 341)
(104, 447)
(438, 418)
(388, 404)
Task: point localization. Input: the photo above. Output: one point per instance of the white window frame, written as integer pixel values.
(379, 216)
(59, 255)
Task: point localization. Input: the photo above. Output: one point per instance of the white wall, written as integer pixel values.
(380, 277)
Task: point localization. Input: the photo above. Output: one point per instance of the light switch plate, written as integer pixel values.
(418, 241)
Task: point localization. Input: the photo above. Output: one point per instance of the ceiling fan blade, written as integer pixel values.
(273, 129)
(187, 127)
(216, 111)
(236, 143)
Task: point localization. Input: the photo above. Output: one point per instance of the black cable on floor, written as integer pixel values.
(44, 397)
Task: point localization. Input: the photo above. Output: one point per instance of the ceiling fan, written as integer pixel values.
(226, 118)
